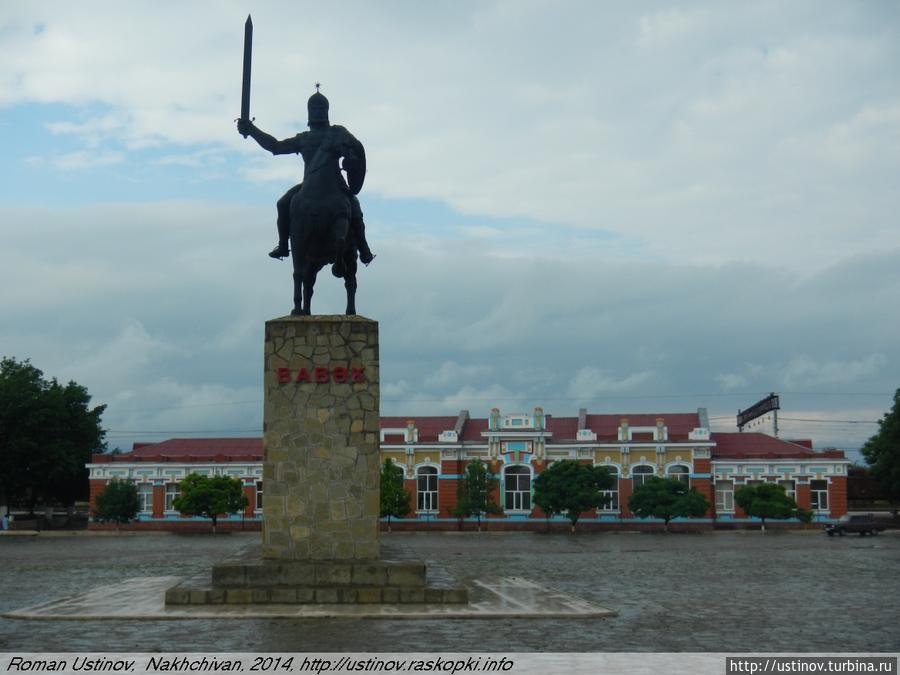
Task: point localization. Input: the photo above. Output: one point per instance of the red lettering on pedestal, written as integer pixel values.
(321, 375)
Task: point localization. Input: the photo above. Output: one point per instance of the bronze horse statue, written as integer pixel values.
(320, 233)
(321, 217)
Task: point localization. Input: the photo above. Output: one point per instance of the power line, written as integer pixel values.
(130, 432)
(631, 397)
(197, 405)
(123, 432)
(715, 417)
(608, 397)
(820, 421)
(805, 419)
(834, 393)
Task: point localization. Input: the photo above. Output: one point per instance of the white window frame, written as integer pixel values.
(171, 494)
(816, 495)
(146, 497)
(790, 487)
(683, 473)
(645, 475)
(427, 500)
(259, 495)
(613, 505)
(726, 489)
(521, 498)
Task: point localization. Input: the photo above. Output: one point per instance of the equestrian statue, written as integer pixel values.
(319, 220)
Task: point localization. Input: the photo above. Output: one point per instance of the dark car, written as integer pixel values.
(863, 524)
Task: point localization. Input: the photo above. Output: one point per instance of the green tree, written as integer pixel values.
(395, 499)
(667, 498)
(882, 451)
(769, 500)
(475, 493)
(48, 432)
(208, 497)
(572, 488)
(118, 503)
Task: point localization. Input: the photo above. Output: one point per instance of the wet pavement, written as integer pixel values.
(143, 599)
(712, 592)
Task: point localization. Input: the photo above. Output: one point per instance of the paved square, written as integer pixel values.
(729, 591)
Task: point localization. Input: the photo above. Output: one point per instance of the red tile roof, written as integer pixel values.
(748, 445)
(679, 425)
(472, 430)
(197, 449)
(563, 429)
(429, 428)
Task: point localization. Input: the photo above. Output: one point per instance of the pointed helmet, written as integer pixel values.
(317, 109)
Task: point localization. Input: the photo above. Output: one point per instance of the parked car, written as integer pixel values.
(863, 524)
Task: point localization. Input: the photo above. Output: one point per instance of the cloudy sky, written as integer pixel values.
(625, 207)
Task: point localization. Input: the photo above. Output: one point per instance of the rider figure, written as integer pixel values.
(306, 144)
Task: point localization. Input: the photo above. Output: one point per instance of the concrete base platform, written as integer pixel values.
(144, 599)
(246, 578)
(199, 591)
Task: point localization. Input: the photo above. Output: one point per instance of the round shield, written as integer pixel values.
(356, 171)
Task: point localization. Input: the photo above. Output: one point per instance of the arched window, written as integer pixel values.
(517, 488)
(640, 474)
(426, 488)
(680, 472)
(613, 492)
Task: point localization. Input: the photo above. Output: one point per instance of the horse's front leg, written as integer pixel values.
(310, 271)
(350, 285)
(298, 289)
(300, 264)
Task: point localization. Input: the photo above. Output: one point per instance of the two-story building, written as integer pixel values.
(432, 453)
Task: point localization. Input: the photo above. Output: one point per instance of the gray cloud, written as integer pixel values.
(696, 134)
(164, 323)
(658, 207)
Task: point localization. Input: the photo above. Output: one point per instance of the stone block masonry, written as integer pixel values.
(320, 488)
(246, 578)
(320, 440)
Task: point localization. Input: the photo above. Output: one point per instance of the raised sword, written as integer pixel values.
(245, 89)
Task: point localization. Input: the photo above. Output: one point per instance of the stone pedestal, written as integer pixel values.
(321, 466)
(321, 475)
